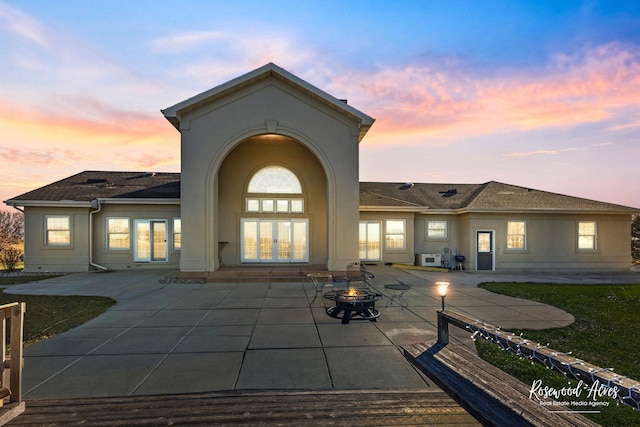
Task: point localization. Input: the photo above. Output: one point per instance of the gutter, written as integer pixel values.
(95, 205)
(16, 207)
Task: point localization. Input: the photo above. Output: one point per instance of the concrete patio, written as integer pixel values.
(166, 338)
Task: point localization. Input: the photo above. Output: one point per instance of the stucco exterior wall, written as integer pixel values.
(75, 257)
(119, 259)
(238, 168)
(402, 256)
(552, 242)
(270, 106)
(442, 246)
(39, 257)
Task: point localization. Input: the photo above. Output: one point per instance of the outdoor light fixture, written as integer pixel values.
(442, 290)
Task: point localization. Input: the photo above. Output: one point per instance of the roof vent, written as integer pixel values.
(406, 186)
(96, 181)
(143, 175)
(449, 193)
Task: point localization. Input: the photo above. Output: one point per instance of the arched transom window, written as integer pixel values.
(275, 179)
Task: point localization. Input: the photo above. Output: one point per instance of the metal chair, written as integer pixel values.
(322, 282)
(357, 277)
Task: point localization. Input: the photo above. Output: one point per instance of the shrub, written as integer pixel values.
(10, 257)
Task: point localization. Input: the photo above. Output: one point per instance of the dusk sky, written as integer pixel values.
(542, 94)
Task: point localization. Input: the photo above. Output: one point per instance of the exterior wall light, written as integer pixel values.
(442, 291)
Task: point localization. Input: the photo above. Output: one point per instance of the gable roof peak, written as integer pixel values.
(175, 113)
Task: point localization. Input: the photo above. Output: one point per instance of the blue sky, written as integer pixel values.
(533, 93)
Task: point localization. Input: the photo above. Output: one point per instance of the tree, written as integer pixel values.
(635, 238)
(11, 235)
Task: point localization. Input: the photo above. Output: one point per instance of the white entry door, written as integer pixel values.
(275, 240)
(150, 240)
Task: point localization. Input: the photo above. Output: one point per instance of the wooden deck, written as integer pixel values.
(495, 397)
(330, 408)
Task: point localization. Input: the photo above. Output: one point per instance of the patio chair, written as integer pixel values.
(322, 282)
(357, 277)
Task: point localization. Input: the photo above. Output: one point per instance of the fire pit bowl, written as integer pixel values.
(356, 304)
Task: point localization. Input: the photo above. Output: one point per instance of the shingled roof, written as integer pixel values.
(490, 196)
(89, 185)
(386, 196)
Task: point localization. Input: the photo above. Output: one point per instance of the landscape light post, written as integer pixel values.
(442, 291)
(443, 324)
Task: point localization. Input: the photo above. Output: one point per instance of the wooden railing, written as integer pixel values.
(12, 362)
(625, 390)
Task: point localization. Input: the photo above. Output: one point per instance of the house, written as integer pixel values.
(270, 176)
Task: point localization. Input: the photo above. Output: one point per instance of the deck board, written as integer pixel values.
(336, 408)
(491, 394)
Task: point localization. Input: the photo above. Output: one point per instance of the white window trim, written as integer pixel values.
(404, 234)
(257, 221)
(107, 233)
(595, 236)
(274, 200)
(379, 236)
(46, 232)
(524, 245)
(151, 258)
(173, 233)
(275, 173)
(446, 230)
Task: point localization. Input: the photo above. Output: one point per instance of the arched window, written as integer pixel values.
(275, 179)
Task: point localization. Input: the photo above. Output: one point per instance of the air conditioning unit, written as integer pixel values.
(429, 260)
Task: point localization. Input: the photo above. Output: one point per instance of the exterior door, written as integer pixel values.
(275, 241)
(484, 250)
(370, 238)
(150, 241)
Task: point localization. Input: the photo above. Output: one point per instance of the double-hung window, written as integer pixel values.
(177, 234)
(587, 237)
(436, 229)
(57, 230)
(396, 234)
(516, 235)
(118, 233)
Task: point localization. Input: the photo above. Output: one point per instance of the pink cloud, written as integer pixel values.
(538, 152)
(27, 156)
(101, 121)
(592, 87)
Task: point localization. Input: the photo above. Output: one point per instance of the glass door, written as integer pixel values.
(267, 241)
(485, 250)
(150, 240)
(275, 241)
(370, 238)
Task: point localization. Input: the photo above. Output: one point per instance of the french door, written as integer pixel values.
(150, 241)
(369, 240)
(275, 240)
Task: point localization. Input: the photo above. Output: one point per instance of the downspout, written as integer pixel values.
(96, 206)
(17, 208)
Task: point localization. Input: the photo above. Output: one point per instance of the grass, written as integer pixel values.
(604, 334)
(48, 316)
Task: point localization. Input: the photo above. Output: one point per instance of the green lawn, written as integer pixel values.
(605, 333)
(48, 316)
